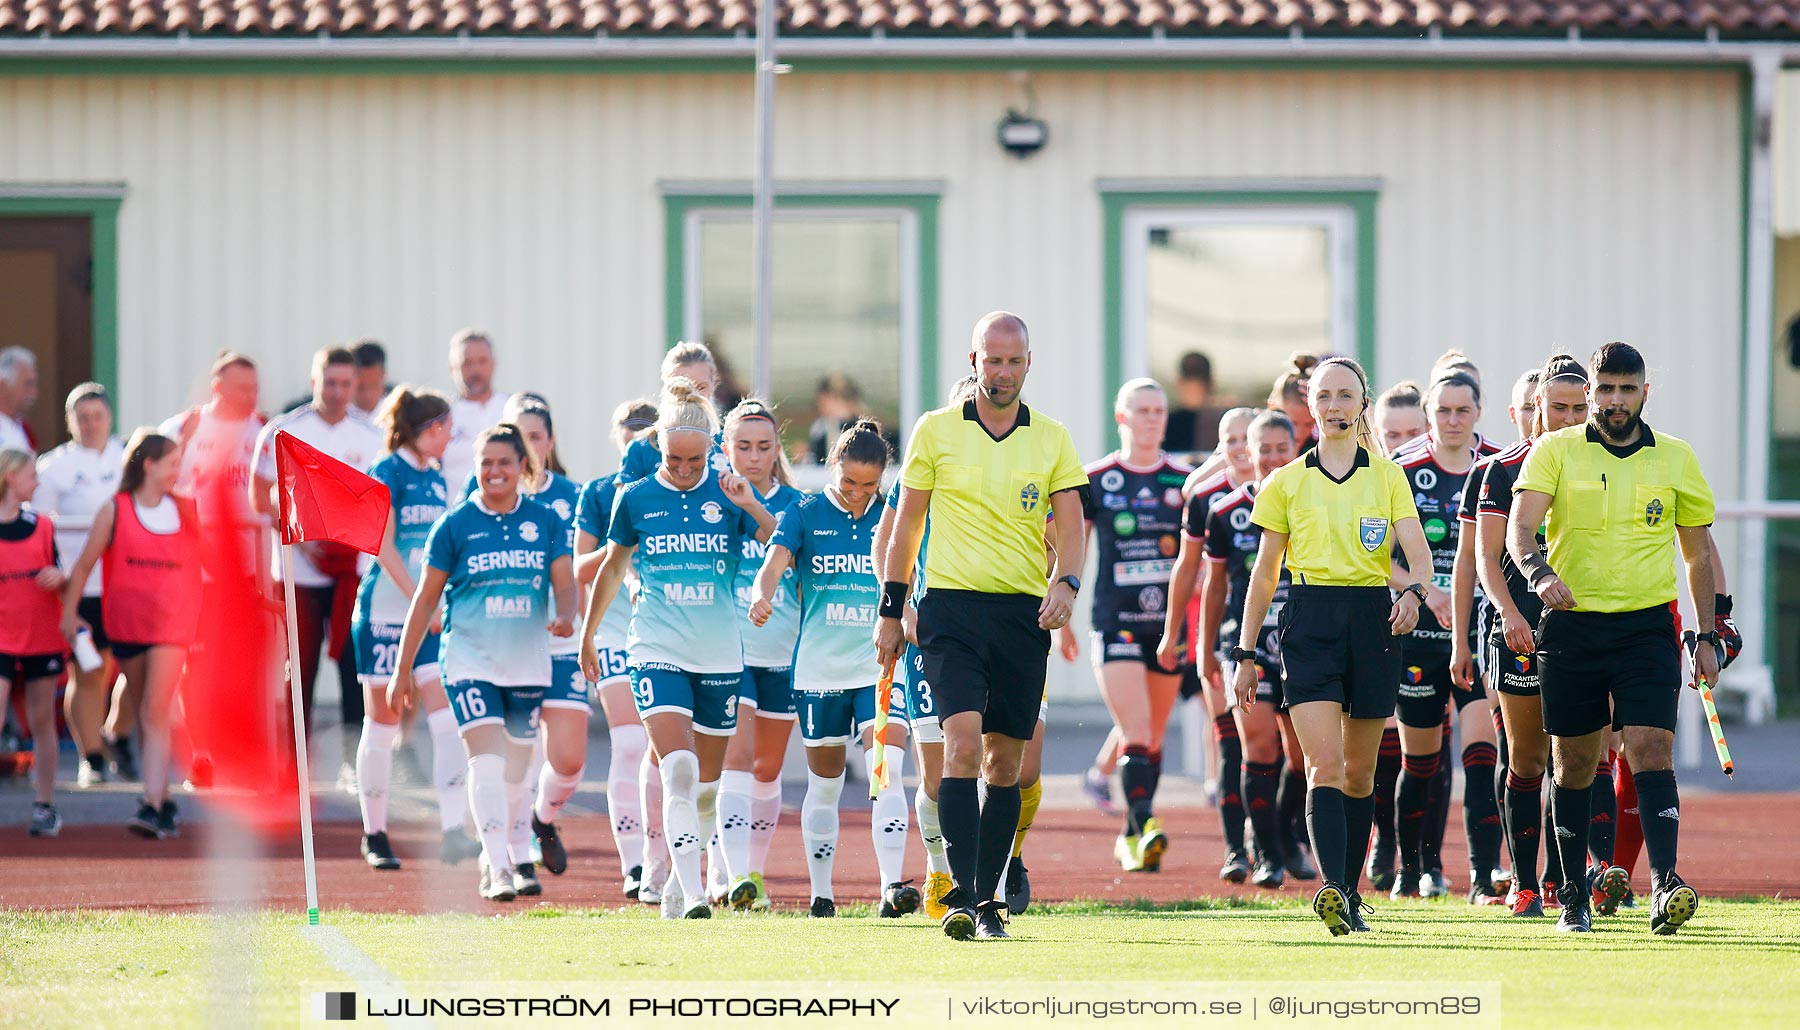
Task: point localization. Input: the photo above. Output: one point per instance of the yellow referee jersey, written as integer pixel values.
(990, 497)
(1613, 513)
(1340, 532)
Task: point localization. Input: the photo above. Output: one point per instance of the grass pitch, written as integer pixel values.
(1737, 964)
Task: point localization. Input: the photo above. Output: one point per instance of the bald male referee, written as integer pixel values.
(991, 472)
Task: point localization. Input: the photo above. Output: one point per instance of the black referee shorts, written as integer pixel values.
(1600, 669)
(1336, 646)
(985, 653)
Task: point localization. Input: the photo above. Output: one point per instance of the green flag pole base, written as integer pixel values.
(312, 917)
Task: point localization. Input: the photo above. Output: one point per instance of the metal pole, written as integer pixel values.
(295, 689)
(763, 213)
(1751, 583)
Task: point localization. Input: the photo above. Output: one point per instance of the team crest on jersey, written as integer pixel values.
(1111, 480)
(1374, 533)
(1240, 519)
(528, 532)
(562, 508)
(1425, 479)
(1653, 512)
(711, 512)
(1029, 497)
(720, 463)
(1151, 599)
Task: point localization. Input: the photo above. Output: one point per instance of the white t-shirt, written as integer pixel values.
(12, 434)
(73, 482)
(163, 518)
(353, 440)
(467, 419)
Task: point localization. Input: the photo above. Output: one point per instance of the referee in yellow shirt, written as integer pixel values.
(1336, 513)
(990, 471)
(1618, 498)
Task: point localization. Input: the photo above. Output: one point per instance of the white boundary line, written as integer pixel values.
(372, 981)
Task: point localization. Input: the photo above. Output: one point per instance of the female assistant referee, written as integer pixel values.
(1332, 514)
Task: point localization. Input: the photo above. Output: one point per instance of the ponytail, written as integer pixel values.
(862, 443)
(406, 414)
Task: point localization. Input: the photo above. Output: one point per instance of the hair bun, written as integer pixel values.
(681, 389)
(1303, 362)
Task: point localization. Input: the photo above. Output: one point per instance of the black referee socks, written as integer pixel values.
(1570, 811)
(1659, 809)
(1359, 819)
(999, 823)
(1602, 822)
(959, 817)
(1325, 819)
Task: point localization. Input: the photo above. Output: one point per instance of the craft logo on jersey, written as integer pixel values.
(1028, 497)
(1111, 480)
(1653, 512)
(1374, 533)
(1425, 479)
(1124, 523)
(1435, 531)
(528, 532)
(711, 512)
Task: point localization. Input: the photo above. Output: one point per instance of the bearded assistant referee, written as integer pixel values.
(990, 471)
(1618, 497)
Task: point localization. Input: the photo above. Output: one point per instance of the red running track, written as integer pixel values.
(1739, 845)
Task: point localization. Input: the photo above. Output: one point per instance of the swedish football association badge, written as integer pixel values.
(1374, 533)
(1028, 497)
(1653, 512)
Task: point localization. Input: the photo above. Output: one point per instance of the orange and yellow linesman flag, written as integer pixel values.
(1712, 710)
(883, 694)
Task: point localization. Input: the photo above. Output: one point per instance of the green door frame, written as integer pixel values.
(100, 205)
(678, 204)
(1117, 199)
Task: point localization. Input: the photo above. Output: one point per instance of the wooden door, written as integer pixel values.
(46, 293)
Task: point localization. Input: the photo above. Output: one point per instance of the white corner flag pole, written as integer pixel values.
(295, 692)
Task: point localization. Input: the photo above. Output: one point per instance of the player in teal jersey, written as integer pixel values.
(561, 750)
(828, 538)
(683, 527)
(418, 430)
(633, 790)
(750, 787)
(497, 558)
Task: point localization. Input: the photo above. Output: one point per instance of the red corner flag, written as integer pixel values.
(324, 499)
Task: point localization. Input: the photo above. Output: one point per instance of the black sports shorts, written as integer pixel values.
(1511, 672)
(1336, 646)
(91, 612)
(1425, 687)
(1600, 669)
(985, 653)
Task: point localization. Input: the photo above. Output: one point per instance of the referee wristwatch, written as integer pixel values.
(1239, 654)
(1417, 590)
(1074, 583)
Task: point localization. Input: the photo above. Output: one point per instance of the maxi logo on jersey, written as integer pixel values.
(839, 591)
